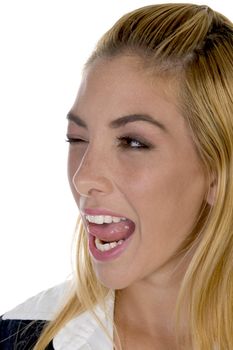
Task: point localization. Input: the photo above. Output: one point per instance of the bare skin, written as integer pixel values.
(160, 187)
(144, 313)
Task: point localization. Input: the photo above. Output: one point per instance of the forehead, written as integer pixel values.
(127, 76)
(119, 87)
(111, 88)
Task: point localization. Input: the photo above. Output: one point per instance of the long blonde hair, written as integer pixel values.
(195, 44)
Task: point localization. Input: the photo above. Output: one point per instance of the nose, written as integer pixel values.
(93, 175)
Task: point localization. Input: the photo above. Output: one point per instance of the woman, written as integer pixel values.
(151, 169)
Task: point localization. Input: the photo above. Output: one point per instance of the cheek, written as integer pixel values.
(136, 167)
(169, 196)
(142, 176)
(73, 163)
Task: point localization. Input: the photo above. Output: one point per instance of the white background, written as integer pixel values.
(43, 46)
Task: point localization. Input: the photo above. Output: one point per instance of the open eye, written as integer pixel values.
(133, 143)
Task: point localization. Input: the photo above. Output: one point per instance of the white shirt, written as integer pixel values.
(81, 333)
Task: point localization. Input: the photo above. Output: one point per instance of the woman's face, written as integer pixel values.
(146, 171)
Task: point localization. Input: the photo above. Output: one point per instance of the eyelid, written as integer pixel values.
(129, 137)
(74, 139)
(145, 144)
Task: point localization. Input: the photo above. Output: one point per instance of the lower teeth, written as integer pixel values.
(106, 246)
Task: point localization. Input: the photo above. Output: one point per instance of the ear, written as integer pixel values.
(211, 195)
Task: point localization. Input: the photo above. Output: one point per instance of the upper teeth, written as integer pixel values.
(101, 219)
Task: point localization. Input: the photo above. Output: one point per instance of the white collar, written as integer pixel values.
(81, 333)
(84, 332)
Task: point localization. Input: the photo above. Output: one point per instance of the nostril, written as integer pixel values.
(92, 187)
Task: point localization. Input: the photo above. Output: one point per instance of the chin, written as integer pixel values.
(112, 280)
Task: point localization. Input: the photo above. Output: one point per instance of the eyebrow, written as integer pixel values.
(122, 121)
(76, 119)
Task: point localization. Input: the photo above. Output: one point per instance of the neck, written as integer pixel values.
(148, 305)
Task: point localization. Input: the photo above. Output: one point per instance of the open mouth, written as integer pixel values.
(107, 240)
(104, 246)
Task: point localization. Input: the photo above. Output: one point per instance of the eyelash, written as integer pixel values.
(124, 142)
(73, 140)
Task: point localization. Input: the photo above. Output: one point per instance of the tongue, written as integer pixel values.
(112, 232)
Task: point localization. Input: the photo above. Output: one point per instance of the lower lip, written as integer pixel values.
(109, 254)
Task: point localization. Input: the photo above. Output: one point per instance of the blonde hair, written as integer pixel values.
(195, 43)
